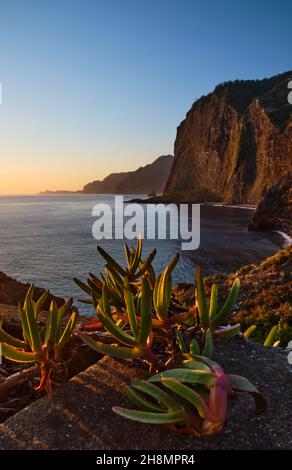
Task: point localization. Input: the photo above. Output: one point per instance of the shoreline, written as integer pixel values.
(285, 236)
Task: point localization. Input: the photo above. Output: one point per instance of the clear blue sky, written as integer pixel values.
(95, 86)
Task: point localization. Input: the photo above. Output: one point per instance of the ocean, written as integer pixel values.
(48, 240)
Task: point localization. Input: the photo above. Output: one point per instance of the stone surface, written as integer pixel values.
(235, 143)
(80, 417)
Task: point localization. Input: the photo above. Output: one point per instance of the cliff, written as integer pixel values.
(144, 180)
(106, 186)
(275, 210)
(235, 143)
(13, 291)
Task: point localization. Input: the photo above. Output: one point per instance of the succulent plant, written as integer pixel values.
(206, 350)
(43, 345)
(190, 400)
(271, 338)
(115, 275)
(135, 309)
(135, 343)
(209, 317)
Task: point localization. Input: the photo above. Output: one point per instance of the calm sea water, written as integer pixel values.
(48, 240)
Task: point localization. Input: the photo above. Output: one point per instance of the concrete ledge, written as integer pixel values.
(79, 416)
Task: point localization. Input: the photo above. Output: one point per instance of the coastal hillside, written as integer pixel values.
(147, 179)
(275, 210)
(235, 143)
(265, 297)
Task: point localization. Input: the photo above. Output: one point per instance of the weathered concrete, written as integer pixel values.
(80, 417)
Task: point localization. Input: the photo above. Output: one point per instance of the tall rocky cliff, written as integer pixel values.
(235, 142)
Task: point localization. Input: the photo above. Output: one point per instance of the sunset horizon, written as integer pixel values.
(84, 89)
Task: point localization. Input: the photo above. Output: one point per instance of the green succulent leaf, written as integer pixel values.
(163, 289)
(137, 255)
(146, 265)
(195, 365)
(107, 349)
(146, 312)
(36, 343)
(241, 384)
(208, 349)
(128, 255)
(142, 402)
(225, 312)
(194, 347)
(62, 312)
(111, 262)
(131, 311)
(164, 295)
(271, 338)
(228, 331)
(180, 342)
(10, 340)
(249, 331)
(201, 299)
(39, 304)
(157, 393)
(117, 333)
(24, 324)
(51, 327)
(17, 355)
(186, 375)
(172, 264)
(155, 292)
(213, 302)
(210, 363)
(69, 330)
(105, 305)
(190, 395)
(83, 286)
(151, 418)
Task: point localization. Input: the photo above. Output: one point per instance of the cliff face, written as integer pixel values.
(275, 210)
(146, 179)
(13, 291)
(149, 178)
(106, 186)
(236, 142)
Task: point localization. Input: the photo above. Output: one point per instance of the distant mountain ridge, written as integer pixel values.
(144, 180)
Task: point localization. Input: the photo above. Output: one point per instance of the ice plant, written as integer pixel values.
(209, 316)
(126, 344)
(134, 309)
(115, 275)
(271, 338)
(192, 400)
(206, 350)
(42, 345)
(163, 289)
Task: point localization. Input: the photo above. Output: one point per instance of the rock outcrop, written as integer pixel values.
(235, 142)
(13, 291)
(275, 210)
(150, 178)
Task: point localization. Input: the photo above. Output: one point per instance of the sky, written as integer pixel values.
(95, 86)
